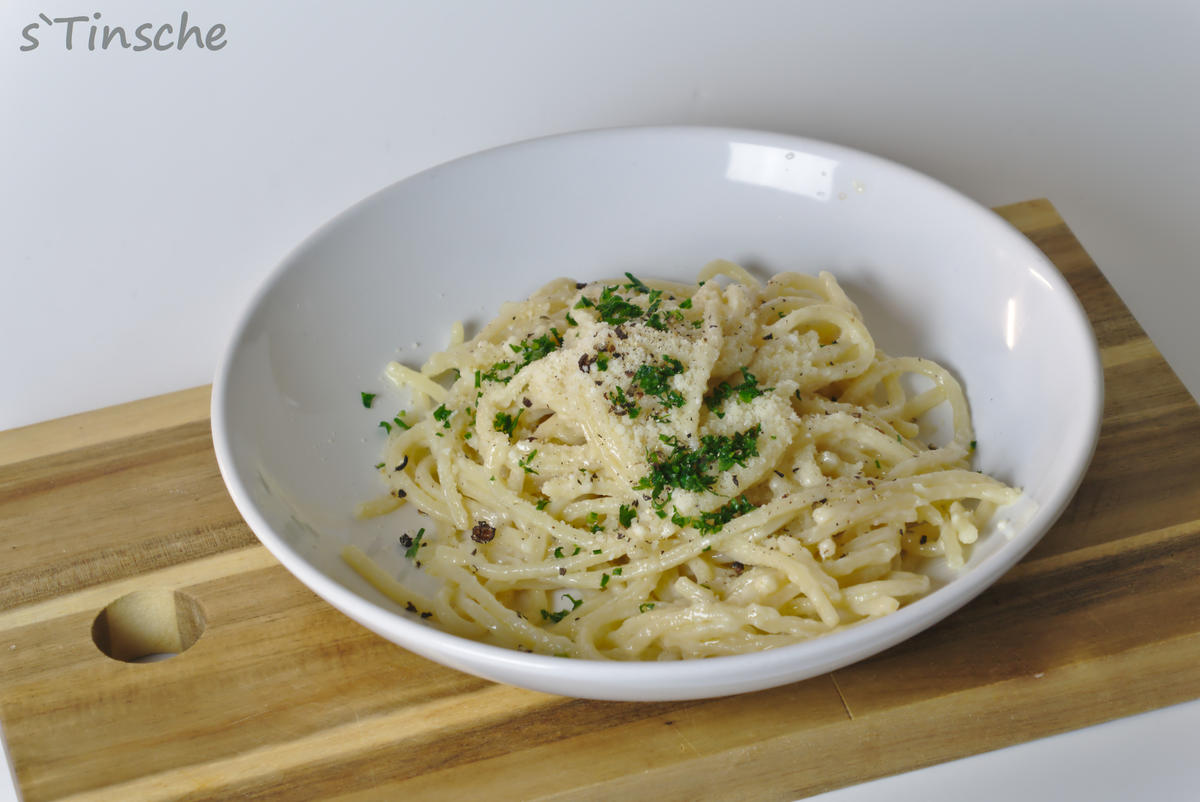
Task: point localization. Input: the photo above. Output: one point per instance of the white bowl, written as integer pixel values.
(935, 275)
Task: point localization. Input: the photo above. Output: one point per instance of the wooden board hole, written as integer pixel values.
(148, 625)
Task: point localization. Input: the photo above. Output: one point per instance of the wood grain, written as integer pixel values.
(282, 697)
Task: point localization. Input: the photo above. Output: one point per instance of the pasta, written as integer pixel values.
(646, 470)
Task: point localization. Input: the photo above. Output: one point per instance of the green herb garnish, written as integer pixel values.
(411, 551)
(496, 373)
(635, 283)
(533, 350)
(615, 310)
(530, 350)
(712, 522)
(368, 399)
(503, 422)
(626, 515)
(622, 404)
(443, 414)
(561, 614)
(688, 469)
(746, 392)
(654, 381)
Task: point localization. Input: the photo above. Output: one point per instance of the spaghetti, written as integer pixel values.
(646, 470)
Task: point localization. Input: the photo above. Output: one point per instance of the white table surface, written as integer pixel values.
(144, 195)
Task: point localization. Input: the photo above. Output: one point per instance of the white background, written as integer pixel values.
(143, 196)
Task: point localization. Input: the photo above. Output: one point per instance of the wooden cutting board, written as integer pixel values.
(283, 697)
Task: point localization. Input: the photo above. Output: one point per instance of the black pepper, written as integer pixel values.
(483, 532)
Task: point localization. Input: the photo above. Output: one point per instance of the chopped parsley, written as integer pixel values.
(615, 309)
(710, 523)
(533, 350)
(622, 404)
(611, 307)
(603, 581)
(442, 413)
(561, 614)
(644, 606)
(542, 504)
(654, 381)
(530, 350)
(368, 399)
(593, 522)
(972, 445)
(414, 544)
(689, 469)
(649, 380)
(635, 283)
(626, 515)
(746, 392)
(386, 426)
(653, 316)
(526, 464)
(496, 373)
(503, 422)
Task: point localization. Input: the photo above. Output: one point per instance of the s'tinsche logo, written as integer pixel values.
(146, 36)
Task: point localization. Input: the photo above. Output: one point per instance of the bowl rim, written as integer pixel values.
(678, 679)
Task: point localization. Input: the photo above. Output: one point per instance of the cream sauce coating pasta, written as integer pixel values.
(646, 470)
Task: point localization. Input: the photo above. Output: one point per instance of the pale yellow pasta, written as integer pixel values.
(646, 470)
